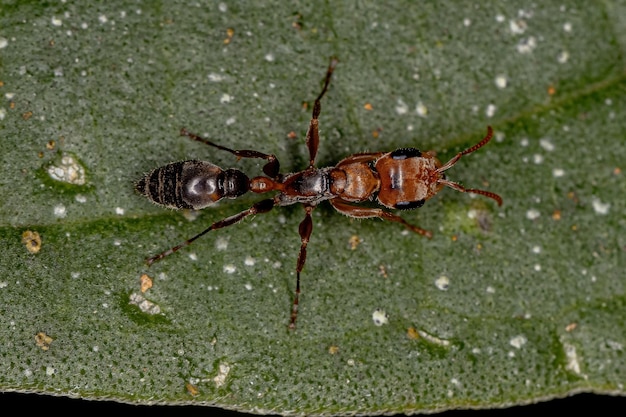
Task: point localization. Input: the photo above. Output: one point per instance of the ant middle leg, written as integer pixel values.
(312, 134)
(271, 168)
(262, 206)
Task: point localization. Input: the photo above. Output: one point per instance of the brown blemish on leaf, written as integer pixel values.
(32, 241)
(354, 241)
(43, 340)
(192, 389)
(146, 282)
(230, 32)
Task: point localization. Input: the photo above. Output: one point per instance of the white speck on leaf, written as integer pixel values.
(401, 107)
(527, 45)
(144, 305)
(220, 378)
(221, 243)
(501, 81)
(518, 341)
(442, 283)
(421, 109)
(67, 170)
(433, 339)
(599, 207)
(533, 214)
(546, 144)
(60, 211)
(380, 317)
(572, 358)
(216, 78)
(518, 27)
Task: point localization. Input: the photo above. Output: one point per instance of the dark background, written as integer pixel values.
(581, 403)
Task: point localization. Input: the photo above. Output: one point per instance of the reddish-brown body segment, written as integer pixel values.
(407, 181)
(402, 179)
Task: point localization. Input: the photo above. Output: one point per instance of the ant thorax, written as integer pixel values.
(310, 186)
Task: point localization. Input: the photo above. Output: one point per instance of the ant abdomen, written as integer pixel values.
(192, 184)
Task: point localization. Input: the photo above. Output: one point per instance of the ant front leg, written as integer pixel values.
(358, 212)
(305, 229)
(271, 168)
(261, 207)
(312, 134)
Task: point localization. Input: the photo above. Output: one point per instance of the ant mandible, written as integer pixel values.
(403, 179)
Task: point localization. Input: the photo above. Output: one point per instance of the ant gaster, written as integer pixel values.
(402, 179)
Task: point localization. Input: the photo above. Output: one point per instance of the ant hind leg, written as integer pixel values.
(262, 206)
(305, 229)
(271, 168)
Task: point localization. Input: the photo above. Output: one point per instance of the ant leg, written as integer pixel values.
(270, 169)
(358, 212)
(360, 158)
(261, 207)
(312, 135)
(305, 229)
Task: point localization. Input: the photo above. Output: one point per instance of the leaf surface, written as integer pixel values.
(505, 305)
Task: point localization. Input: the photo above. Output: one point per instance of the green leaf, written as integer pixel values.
(505, 305)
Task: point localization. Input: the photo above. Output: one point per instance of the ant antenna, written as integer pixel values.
(458, 156)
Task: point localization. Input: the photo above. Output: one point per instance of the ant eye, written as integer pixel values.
(405, 153)
(408, 205)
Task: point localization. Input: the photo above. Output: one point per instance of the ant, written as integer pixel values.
(403, 179)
